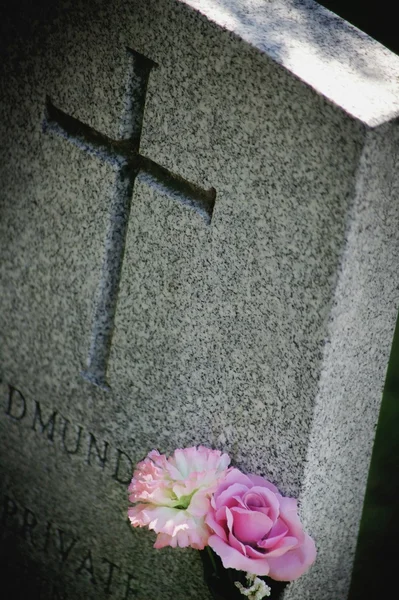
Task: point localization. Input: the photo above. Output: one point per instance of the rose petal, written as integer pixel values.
(226, 498)
(261, 481)
(221, 516)
(249, 525)
(282, 546)
(289, 514)
(253, 552)
(232, 559)
(229, 520)
(254, 500)
(239, 502)
(269, 499)
(288, 504)
(277, 532)
(293, 563)
(234, 543)
(232, 477)
(215, 525)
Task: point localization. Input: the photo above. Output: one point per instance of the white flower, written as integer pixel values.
(172, 495)
(258, 588)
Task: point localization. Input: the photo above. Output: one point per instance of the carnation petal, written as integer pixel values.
(173, 495)
(223, 462)
(136, 517)
(160, 518)
(198, 537)
(173, 472)
(199, 504)
(163, 540)
(183, 539)
(214, 459)
(182, 459)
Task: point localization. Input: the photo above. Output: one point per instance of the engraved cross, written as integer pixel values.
(123, 154)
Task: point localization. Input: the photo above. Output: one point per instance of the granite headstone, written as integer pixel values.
(198, 246)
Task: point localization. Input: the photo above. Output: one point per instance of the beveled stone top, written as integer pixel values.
(339, 61)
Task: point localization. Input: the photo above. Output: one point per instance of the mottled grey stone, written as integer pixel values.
(265, 333)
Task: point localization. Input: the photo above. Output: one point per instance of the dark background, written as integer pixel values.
(378, 19)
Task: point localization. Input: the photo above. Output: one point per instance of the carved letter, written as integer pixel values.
(87, 565)
(64, 551)
(44, 426)
(56, 594)
(47, 536)
(129, 590)
(77, 442)
(28, 524)
(17, 416)
(103, 458)
(112, 566)
(9, 510)
(128, 470)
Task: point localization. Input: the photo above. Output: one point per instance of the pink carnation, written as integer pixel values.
(257, 530)
(172, 495)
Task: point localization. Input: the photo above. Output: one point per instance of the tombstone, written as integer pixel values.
(199, 246)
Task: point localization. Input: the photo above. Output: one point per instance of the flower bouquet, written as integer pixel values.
(250, 537)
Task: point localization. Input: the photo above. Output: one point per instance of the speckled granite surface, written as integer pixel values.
(265, 333)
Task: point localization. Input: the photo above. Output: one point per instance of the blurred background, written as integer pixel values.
(378, 19)
(377, 554)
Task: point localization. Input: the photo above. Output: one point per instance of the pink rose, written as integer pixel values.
(257, 530)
